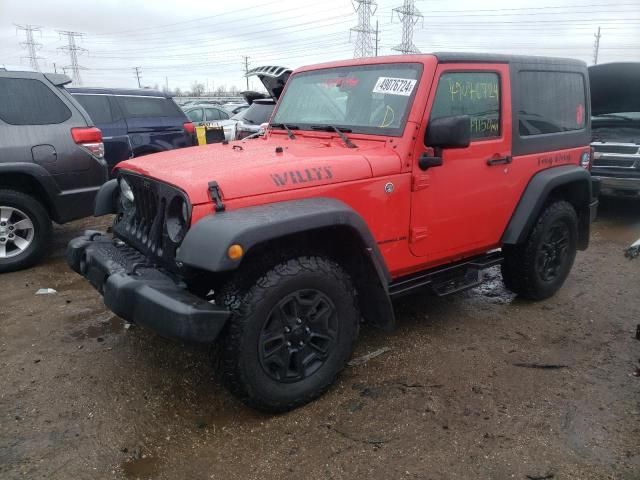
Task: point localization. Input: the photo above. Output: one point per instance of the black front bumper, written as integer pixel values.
(141, 293)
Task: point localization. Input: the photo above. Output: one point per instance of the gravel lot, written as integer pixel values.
(82, 396)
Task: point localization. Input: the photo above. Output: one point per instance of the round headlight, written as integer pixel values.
(126, 190)
(177, 219)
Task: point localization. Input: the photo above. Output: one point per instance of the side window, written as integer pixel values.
(212, 114)
(144, 106)
(476, 94)
(25, 101)
(551, 102)
(97, 106)
(195, 115)
(223, 115)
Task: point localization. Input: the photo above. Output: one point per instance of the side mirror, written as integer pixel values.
(448, 132)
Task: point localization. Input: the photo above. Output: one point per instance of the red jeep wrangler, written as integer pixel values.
(376, 177)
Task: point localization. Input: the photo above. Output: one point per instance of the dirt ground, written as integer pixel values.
(82, 396)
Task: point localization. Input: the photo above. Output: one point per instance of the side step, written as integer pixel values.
(447, 279)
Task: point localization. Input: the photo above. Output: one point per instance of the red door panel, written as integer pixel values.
(461, 207)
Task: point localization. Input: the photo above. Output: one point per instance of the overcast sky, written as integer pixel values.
(205, 41)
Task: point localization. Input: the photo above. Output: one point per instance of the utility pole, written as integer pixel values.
(409, 15)
(364, 46)
(31, 45)
(137, 70)
(596, 47)
(74, 50)
(377, 33)
(55, 70)
(166, 83)
(246, 70)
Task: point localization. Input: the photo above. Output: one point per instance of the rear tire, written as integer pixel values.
(536, 269)
(291, 332)
(25, 230)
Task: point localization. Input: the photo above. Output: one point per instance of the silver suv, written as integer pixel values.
(51, 163)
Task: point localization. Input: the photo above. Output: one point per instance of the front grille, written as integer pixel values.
(143, 226)
(605, 148)
(614, 162)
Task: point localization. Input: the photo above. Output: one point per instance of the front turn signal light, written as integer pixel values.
(235, 252)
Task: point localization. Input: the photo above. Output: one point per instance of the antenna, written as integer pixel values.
(364, 46)
(409, 15)
(31, 45)
(73, 49)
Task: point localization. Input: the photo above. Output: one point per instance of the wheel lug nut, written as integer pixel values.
(301, 343)
(10, 227)
(3, 224)
(307, 329)
(287, 329)
(298, 321)
(11, 235)
(288, 344)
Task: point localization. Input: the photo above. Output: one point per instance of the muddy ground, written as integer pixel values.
(81, 396)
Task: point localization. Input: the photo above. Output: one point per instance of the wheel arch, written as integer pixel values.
(571, 183)
(33, 180)
(318, 226)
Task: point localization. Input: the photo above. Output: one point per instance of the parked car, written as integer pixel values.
(235, 107)
(201, 114)
(616, 127)
(249, 121)
(377, 177)
(135, 122)
(51, 163)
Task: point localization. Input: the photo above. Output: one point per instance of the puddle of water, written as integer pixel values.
(141, 468)
(110, 326)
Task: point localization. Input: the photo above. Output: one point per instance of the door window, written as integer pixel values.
(195, 115)
(212, 114)
(143, 106)
(97, 106)
(476, 94)
(26, 101)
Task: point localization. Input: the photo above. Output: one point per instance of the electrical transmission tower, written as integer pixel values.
(596, 47)
(409, 15)
(364, 46)
(74, 50)
(31, 45)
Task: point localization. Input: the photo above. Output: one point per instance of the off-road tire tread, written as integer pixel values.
(242, 304)
(519, 260)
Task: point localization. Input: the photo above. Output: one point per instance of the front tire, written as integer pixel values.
(291, 332)
(25, 230)
(538, 268)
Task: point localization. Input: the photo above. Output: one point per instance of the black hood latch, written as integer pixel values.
(216, 196)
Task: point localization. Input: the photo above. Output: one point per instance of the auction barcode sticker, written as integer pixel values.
(394, 86)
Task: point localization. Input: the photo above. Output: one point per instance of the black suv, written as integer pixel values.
(135, 122)
(51, 163)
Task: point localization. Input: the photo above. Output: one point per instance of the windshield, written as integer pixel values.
(366, 99)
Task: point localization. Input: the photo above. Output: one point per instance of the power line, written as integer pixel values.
(365, 10)
(409, 15)
(73, 50)
(31, 45)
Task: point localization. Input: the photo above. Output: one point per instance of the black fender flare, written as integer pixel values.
(105, 202)
(536, 194)
(206, 243)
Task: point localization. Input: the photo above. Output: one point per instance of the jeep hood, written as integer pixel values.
(252, 168)
(614, 87)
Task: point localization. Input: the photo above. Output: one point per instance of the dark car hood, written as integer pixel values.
(614, 87)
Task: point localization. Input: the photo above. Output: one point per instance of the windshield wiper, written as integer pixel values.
(331, 128)
(288, 128)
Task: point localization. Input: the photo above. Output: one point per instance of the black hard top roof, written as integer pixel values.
(141, 92)
(465, 57)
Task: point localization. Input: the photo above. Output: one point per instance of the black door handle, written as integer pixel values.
(499, 160)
